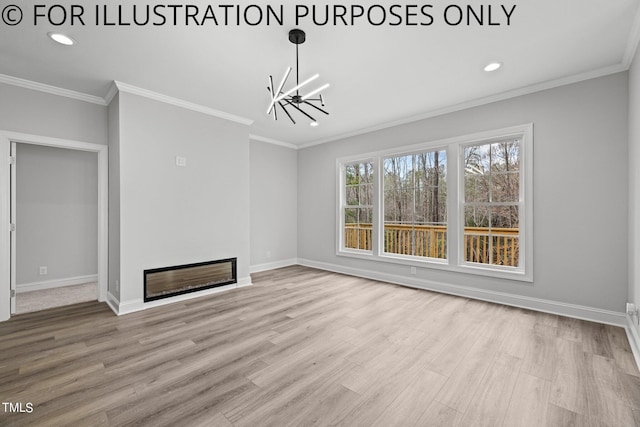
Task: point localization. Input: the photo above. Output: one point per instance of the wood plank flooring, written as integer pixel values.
(306, 347)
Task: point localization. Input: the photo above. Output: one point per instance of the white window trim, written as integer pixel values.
(455, 197)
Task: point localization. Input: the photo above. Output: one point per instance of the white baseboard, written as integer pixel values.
(272, 265)
(131, 306)
(58, 283)
(112, 302)
(245, 281)
(547, 306)
(633, 334)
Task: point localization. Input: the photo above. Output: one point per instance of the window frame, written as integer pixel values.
(455, 260)
(381, 213)
(524, 271)
(341, 202)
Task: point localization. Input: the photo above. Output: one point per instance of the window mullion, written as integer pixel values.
(413, 203)
(455, 199)
(378, 202)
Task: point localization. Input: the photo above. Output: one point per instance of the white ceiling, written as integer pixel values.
(378, 74)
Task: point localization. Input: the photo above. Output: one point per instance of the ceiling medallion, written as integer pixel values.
(292, 97)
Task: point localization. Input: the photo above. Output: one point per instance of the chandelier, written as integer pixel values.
(292, 98)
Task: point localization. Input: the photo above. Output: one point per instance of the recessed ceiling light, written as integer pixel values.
(314, 124)
(493, 66)
(61, 38)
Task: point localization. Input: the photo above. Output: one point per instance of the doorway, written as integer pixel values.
(54, 206)
(8, 265)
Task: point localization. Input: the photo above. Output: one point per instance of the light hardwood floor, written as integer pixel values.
(307, 347)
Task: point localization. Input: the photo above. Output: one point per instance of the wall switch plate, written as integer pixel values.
(181, 161)
(43, 270)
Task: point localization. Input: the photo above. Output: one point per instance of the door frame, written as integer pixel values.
(6, 138)
(12, 235)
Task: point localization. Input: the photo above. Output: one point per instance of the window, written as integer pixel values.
(463, 204)
(492, 203)
(415, 204)
(358, 205)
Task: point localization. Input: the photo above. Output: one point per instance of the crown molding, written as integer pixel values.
(41, 87)
(478, 102)
(124, 87)
(272, 141)
(111, 93)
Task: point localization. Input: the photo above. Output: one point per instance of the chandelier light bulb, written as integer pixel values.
(320, 89)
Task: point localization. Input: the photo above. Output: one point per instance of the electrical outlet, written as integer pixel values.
(181, 161)
(413, 270)
(43, 270)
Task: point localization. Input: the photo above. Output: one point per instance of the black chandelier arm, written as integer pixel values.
(289, 102)
(275, 110)
(316, 107)
(286, 112)
(269, 90)
(299, 109)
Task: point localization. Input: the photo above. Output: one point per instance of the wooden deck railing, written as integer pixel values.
(504, 241)
(430, 240)
(501, 247)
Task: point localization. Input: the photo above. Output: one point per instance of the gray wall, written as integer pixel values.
(39, 113)
(172, 215)
(580, 191)
(634, 181)
(274, 204)
(57, 213)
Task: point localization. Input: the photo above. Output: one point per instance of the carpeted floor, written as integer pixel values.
(27, 302)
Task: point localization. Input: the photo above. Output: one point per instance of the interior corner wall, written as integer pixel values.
(57, 214)
(634, 181)
(172, 215)
(114, 196)
(580, 192)
(38, 113)
(274, 201)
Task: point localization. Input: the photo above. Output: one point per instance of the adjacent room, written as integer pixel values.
(357, 214)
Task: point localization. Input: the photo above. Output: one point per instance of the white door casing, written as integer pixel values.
(13, 227)
(6, 140)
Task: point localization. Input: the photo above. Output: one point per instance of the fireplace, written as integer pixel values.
(181, 279)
